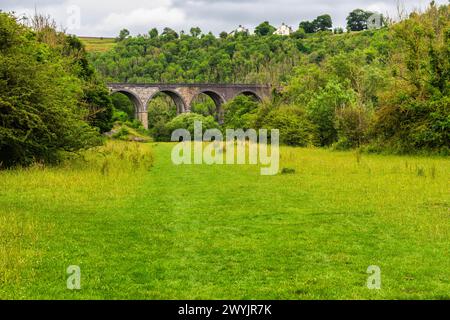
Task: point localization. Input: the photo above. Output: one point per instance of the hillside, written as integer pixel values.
(384, 90)
(94, 44)
(205, 58)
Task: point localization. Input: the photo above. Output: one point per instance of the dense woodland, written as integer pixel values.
(51, 100)
(384, 90)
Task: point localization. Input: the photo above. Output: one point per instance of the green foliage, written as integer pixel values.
(387, 88)
(307, 26)
(357, 20)
(240, 113)
(415, 115)
(124, 33)
(186, 121)
(122, 104)
(202, 59)
(161, 111)
(299, 34)
(120, 116)
(204, 105)
(265, 29)
(44, 96)
(196, 32)
(169, 34)
(322, 109)
(153, 33)
(295, 128)
(98, 102)
(122, 134)
(352, 126)
(323, 22)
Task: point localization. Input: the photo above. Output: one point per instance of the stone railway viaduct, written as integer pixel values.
(184, 94)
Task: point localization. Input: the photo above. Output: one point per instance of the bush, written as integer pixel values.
(352, 125)
(160, 132)
(186, 121)
(295, 128)
(135, 124)
(414, 125)
(122, 103)
(322, 110)
(160, 111)
(122, 134)
(98, 101)
(42, 113)
(240, 113)
(120, 116)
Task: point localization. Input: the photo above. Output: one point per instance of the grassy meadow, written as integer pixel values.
(94, 44)
(140, 227)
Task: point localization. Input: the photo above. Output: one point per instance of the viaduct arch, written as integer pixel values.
(184, 94)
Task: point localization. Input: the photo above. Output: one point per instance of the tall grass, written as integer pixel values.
(108, 172)
(145, 229)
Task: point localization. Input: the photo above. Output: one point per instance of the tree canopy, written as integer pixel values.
(265, 29)
(357, 20)
(51, 101)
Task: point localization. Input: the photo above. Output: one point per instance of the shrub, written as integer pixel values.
(322, 110)
(42, 115)
(186, 121)
(414, 125)
(122, 134)
(295, 128)
(352, 125)
(98, 102)
(120, 116)
(160, 132)
(240, 113)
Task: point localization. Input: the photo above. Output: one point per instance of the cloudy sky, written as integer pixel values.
(106, 18)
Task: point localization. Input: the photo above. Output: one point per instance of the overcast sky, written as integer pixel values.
(107, 18)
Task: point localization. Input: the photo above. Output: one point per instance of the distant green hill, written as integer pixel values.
(386, 89)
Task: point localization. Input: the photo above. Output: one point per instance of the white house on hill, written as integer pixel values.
(239, 30)
(284, 30)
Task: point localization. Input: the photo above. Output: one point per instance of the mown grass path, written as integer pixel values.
(226, 232)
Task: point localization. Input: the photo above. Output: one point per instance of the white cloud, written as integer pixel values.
(107, 18)
(142, 18)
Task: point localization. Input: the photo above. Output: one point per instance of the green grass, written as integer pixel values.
(98, 44)
(142, 231)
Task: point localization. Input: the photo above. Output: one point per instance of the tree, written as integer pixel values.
(299, 34)
(295, 128)
(124, 33)
(187, 121)
(99, 104)
(223, 35)
(352, 125)
(323, 23)
(322, 110)
(153, 33)
(240, 112)
(41, 113)
(169, 34)
(264, 29)
(308, 26)
(357, 20)
(196, 32)
(415, 113)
